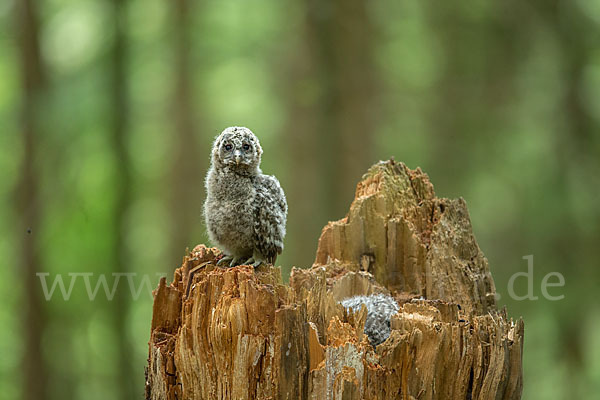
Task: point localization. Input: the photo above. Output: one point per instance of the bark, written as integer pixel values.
(238, 333)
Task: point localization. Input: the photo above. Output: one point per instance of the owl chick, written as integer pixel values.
(245, 210)
(380, 309)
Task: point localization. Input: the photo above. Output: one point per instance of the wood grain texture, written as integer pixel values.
(238, 333)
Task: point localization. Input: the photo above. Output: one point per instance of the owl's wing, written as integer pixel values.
(271, 215)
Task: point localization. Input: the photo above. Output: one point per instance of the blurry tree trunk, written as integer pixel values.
(471, 95)
(186, 165)
(351, 101)
(331, 104)
(122, 185)
(34, 376)
(574, 150)
(306, 130)
(239, 333)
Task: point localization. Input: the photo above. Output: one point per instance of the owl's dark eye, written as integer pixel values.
(228, 147)
(246, 147)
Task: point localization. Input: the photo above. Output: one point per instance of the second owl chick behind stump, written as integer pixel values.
(245, 210)
(380, 308)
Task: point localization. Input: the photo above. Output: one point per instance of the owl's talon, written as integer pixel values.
(248, 261)
(257, 263)
(224, 260)
(235, 262)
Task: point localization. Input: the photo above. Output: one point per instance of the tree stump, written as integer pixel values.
(240, 333)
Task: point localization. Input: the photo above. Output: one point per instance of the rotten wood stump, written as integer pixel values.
(240, 333)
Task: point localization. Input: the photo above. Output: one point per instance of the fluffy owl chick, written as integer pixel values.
(380, 309)
(245, 210)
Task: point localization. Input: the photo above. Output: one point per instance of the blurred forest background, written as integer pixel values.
(108, 109)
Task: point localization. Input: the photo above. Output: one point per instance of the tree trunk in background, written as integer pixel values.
(330, 111)
(123, 181)
(452, 107)
(305, 131)
(33, 80)
(239, 333)
(574, 151)
(352, 97)
(185, 189)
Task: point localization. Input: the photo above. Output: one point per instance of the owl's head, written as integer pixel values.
(237, 148)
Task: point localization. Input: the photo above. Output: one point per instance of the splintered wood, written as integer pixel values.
(238, 333)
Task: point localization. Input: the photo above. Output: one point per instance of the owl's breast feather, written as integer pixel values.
(230, 223)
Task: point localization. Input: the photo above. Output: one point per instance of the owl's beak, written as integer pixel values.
(238, 158)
